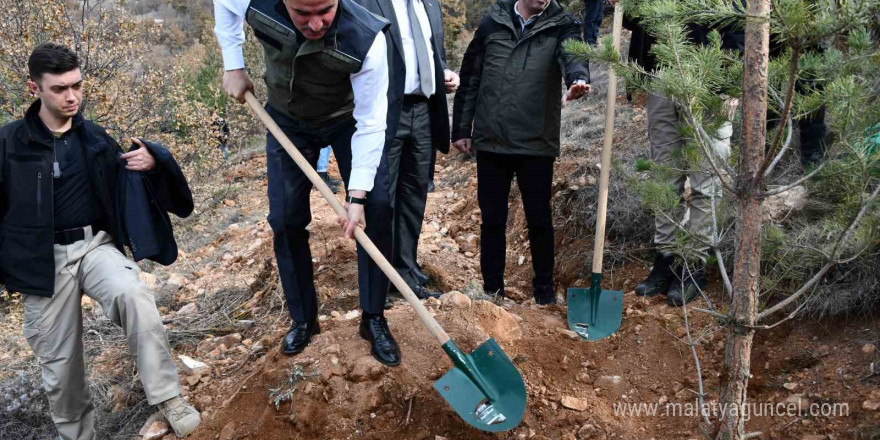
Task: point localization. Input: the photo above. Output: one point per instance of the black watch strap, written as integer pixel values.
(358, 200)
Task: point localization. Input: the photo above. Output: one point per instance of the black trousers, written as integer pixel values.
(410, 159)
(594, 10)
(534, 176)
(290, 213)
(813, 136)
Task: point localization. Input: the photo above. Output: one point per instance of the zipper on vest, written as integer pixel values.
(39, 194)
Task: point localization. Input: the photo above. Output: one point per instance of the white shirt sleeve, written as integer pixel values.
(229, 28)
(370, 87)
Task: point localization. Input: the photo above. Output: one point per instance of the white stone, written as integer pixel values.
(188, 309)
(194, 367)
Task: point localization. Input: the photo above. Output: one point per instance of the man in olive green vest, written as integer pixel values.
(327, 75)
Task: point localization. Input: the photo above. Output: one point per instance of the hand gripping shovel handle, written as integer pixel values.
(359, 234)
(604, 173)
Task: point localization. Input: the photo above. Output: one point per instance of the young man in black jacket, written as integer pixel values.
(508, 108)
(58, 239)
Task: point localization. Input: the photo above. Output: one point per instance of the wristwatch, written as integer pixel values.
(358, 200)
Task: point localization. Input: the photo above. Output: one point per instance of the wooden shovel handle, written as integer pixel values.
(359, 234)
(605, 172)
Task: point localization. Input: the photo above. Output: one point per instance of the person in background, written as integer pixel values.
(679, 269)
(323, 164)
(594, 10)
(418, 120)
(509, 110)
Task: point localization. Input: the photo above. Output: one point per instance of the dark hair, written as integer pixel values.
(51, 58)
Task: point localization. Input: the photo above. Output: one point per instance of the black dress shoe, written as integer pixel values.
(298, 337)
(423, 293)
(420, 291)
(384, 347)
(660, 278)
(421, 277)
(544, 294)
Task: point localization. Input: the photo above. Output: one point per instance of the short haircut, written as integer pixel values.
(51, 58)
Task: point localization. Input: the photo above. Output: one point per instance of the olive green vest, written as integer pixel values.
(310, 80)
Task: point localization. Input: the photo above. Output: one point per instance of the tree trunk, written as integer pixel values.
(747, 267)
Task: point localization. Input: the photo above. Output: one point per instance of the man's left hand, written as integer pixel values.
(140, 159)
(451, 80)
(355, 216)
(576, 90)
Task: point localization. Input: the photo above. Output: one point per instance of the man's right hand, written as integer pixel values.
(465, 145)
(236, 83)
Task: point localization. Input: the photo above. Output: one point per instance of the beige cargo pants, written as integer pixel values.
(53, 328)
(666, 141)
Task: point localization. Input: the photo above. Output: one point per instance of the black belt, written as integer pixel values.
(414, 99)
(70, 236)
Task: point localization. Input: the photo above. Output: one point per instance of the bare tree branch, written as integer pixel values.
(790, 125)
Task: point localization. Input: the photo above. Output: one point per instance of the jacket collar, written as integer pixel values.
(503, 13)
(36, 129)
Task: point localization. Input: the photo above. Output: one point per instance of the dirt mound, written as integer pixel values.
(344, 391)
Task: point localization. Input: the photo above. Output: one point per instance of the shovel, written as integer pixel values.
(595, 313)
(484, 387)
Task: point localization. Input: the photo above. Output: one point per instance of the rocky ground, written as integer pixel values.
(224, 311)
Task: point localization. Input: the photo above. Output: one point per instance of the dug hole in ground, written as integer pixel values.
(224, 310)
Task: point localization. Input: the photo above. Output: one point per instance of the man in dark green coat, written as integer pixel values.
(508, 108)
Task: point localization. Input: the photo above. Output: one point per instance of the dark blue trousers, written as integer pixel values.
(593, 12)
(290, 213)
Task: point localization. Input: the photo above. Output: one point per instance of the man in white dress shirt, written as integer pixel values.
(418, 118)
(327, 75)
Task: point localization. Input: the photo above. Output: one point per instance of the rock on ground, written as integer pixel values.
(455, 299)
(154, 428)
(778, 206)
(366, 368)
(497, 322)
(228, 431)
(193, 367)
(574, 403)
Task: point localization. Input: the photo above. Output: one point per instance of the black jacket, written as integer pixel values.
(438, 109)
(27, 262)
(510, 98)
(144, 201)
(641, 41)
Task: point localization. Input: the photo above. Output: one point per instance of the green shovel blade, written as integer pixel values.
(484, 388)
(594, 313)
